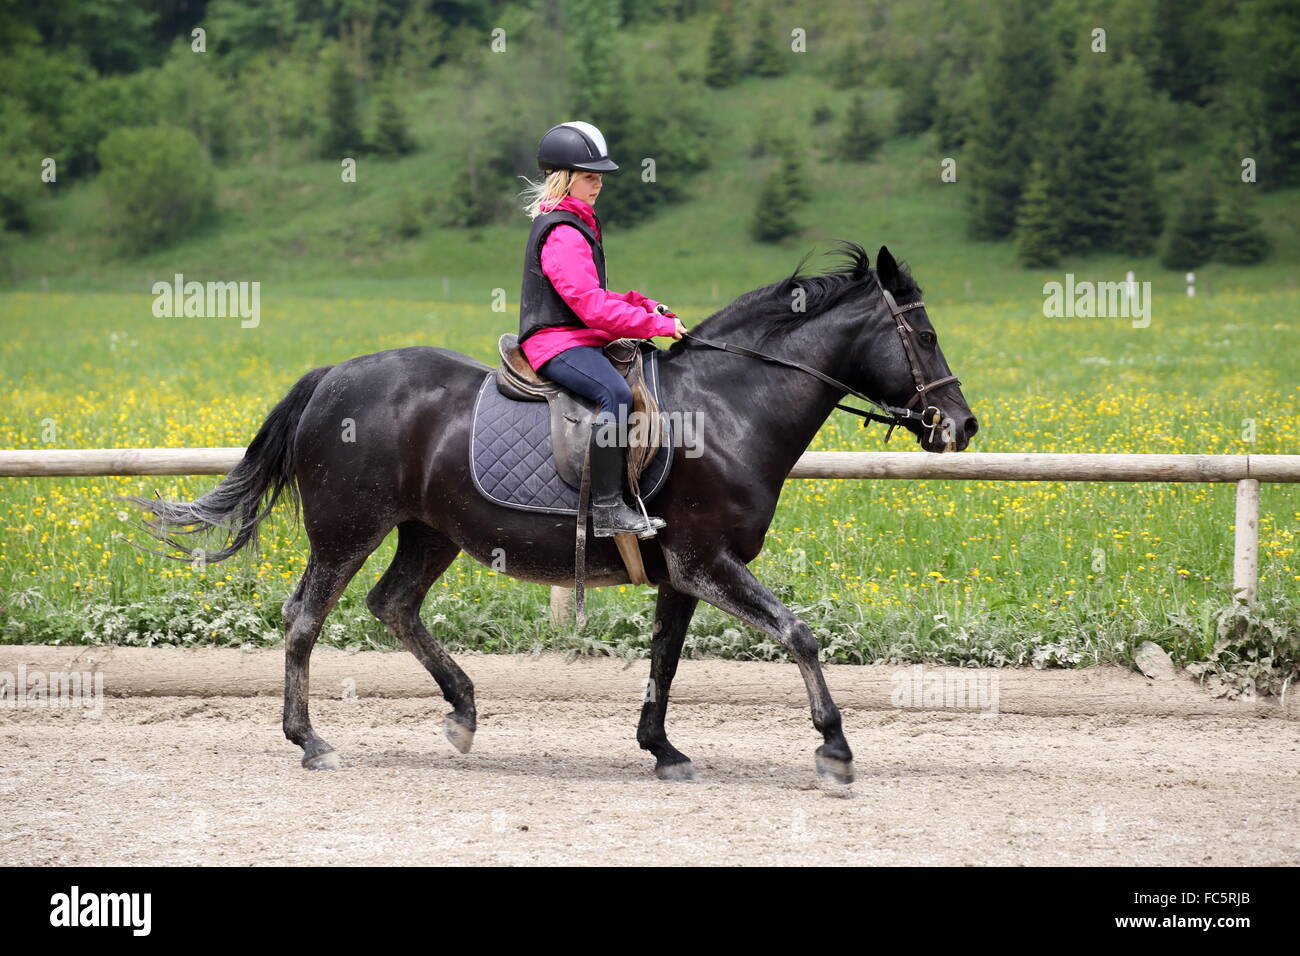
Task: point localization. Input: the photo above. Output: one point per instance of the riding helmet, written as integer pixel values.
(574, 145)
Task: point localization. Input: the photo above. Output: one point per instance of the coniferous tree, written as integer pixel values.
(1114, 158)
(1038, 235)
(1187, 42)
(468, 204)
(955, 106)
(722, 70)
(1099, 172)
(591, 26)
(625, 198)
(1014, 84)
(1088, 164)
(1258, 98)
(920, 100)
(793, 175)
(774, 217)
(392, 138)
(410, 216)
(343, 130)
(846, 68)
(1190, 240)
(1142, 214)
(861, 137)
(767, 57)
(1239, 238)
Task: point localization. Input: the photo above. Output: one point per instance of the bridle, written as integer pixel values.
(897, 415)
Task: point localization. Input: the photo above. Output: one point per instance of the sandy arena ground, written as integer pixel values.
(555, 776)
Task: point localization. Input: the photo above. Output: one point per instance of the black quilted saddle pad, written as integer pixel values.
(510, 452)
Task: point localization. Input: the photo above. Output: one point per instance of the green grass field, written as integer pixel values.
(1049, 573)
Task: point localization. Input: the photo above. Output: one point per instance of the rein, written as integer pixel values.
(897, 415)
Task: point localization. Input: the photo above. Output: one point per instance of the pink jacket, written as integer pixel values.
(566, 260)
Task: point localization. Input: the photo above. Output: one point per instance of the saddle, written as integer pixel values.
(571, 419)
(572, 415)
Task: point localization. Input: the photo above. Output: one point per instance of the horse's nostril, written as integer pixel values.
(970, 427)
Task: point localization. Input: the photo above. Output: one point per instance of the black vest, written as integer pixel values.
(540, 306)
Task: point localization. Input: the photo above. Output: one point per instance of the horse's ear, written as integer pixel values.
(886, 267)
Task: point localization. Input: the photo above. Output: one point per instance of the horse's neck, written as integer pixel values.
(764, 413)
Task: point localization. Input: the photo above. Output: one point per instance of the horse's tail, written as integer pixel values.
(265, 472)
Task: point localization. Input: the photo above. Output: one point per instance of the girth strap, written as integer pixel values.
(580, 548)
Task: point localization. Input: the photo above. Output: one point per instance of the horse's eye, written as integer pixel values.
(928, 339)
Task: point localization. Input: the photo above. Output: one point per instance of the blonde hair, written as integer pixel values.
(550, 190)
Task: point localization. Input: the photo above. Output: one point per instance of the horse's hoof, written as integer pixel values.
(832, 770)
(684, 770)
(461, 737)
(327, 760)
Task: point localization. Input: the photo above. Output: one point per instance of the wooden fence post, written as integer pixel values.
(1245, 564)
(561, 606)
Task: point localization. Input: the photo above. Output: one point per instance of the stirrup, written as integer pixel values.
(617, 518)
(653, 524)
(606, 522)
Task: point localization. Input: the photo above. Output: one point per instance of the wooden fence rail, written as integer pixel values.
(1247, 471)
(990, 466)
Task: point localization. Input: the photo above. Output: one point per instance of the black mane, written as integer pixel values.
(768, 309)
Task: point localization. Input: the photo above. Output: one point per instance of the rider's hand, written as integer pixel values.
(664, 310)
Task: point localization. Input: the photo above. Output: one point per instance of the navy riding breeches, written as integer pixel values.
(585, 369)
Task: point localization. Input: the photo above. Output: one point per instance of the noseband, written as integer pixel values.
(896, 415)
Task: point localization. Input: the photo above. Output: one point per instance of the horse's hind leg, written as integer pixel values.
(673, 611)
(423, 554)
(289, 611)
(317, 593)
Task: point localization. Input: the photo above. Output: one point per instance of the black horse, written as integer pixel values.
(407, 467)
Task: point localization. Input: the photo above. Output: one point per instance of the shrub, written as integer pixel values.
(160, 184)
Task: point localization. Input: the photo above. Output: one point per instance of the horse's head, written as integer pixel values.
(905, 366)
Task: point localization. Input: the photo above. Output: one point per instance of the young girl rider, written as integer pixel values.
(566, 315)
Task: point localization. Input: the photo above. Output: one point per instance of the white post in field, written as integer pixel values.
(1245, 564)
(561, 606)
(1191, 284)
(1131, 285)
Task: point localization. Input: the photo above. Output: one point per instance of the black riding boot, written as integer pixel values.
(610, 514)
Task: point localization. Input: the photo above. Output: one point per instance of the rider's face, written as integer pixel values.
(586, 186)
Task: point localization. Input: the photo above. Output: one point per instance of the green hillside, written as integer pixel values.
(284, 217)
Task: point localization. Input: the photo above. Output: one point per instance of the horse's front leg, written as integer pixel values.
(673, 610)
(728, 585)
